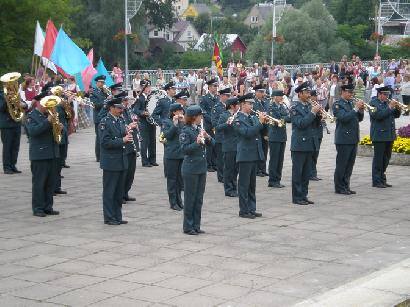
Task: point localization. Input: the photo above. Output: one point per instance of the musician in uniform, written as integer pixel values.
(131, 148)
(249, 153)
(193, 140)
(173, 155)
(382, 134)
(182, 99)
(207, 103)
(115, 89)
(347, 136)
(161, 111)
(318, 125)
(114, 161)
(147, 126)
(277, 139)
(98, 97)
(10, 137)
(304, 142)
(261, 105)
(229, 142)
(44, 156)
(217, 110)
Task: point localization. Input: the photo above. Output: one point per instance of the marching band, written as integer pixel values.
(233, 135)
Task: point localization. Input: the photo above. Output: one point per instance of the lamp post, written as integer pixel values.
(273, 31)
(131, 9)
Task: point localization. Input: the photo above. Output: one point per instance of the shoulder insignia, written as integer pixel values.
(102, 125)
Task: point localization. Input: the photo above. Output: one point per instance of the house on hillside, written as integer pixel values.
(180, 37)
(261, 12)
(233, 42)
(196, 9)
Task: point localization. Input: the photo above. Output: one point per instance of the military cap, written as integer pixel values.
(213, 81)
(193, 110)
(115, 102)
(175, 107)
(169, 85)
(303, 87)
(116, 86)
(182, 95)
(121, 95)
(277, 93)
(384, 90)
(231, 102)
(347, 87)
(259, 87)
(100, 78)
(313, 93)
(246, 98)
(145, 83)
(40, 96)
(225, 91)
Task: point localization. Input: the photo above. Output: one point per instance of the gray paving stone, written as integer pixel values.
(189, 299)
(113, 286)
(121, 301)
(153, 294)
(79, 297)
(40, 292)
(145, 277)
(183, 283)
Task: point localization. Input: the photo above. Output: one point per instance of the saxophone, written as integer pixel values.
(50, 103)
(12, 96)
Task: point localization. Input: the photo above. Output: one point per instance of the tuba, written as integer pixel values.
(12, 96)
(50, 103)
(59, 91)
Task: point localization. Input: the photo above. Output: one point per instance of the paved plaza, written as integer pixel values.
(341, 251)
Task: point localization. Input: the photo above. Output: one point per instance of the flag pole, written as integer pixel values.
(126, 44)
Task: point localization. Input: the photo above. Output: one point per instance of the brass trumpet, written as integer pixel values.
(401, 106)
(325, 115)
(367, 106)
(271, 120)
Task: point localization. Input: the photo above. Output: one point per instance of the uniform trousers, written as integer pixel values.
(301, 168)
(219, 162)
(230, 173)
(345, 159)
(130, 173)
(148, 144)
(262, 163)
(194, 189)
(60, 162)
(381, 159)
(10, 137)
(174, 182)
(315, 157)
(247, 186)
(44, 174)
(210, 153)
(276, 157)
(113, 192)
(97, 142)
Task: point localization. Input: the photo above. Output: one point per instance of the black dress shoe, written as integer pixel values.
(352, 192)
(61, 176)
(16, 171)
(112, 223)
(314, 178)
(40, 214)
(247, 216)
(274, 185)
(379, 185)
(256, 214)
(52, 212)
(66, 166)
(260, 174)
(181, 206)
(211, 170)
(60, 192)
(176, 208)
(127, 198)
(146, 165)
(301, 203)
(9, 172)
(387, 185)
(191, 233)
(124, 201)
(344, 192)
(97, 160)
(154, 164)
(123, 222)
(309, 201)
(199, 231)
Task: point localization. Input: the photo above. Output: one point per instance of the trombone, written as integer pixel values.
(367, 106)
(271, 120)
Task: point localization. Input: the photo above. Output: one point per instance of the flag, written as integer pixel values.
(39, 40)
(216, 58)
(51, 36)
(101, 70)
(88, 73)
(67, 55)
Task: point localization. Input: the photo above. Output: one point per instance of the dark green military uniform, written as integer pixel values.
(318, 125)
(193, 169)
(131, 150)
(217, 110)
(174, 157)
(277, 144)
(304, 142)
(114, 163)
(97, 97)
(161, 111)
(10, 137)
(148, 133)
(249, 153)
(347, 136)
(262, 106)
(383, 134)
(44, 155)
(207, 103)
(63, 146)
(229, 147)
